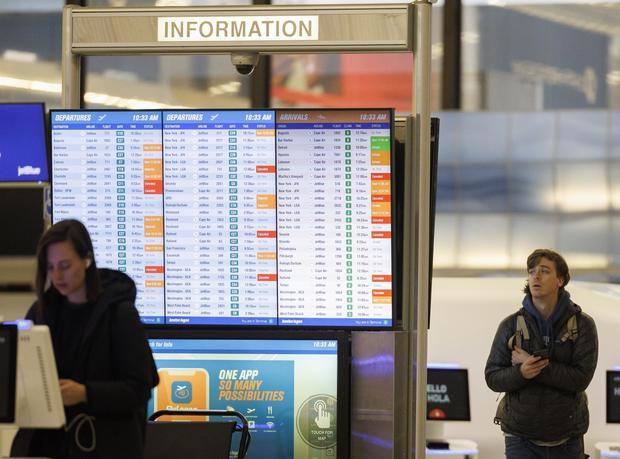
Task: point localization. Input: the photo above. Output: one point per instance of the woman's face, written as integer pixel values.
(67, 271)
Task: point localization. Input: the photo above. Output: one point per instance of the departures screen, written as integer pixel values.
(236, 217)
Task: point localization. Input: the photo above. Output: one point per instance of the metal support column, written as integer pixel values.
(421, 103)
(70, 63)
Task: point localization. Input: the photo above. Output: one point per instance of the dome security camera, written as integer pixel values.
(245, 63)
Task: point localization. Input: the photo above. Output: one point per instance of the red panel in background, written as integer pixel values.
(347, 80)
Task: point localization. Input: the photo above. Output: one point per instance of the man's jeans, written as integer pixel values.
(521, 448)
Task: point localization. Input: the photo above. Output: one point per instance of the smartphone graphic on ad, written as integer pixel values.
(182, 389)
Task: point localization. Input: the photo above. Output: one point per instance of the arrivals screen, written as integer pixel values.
(447, 394)
(227, 217)
(23, 147)
(286, 388)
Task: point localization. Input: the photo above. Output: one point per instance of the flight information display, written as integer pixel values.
(107, 172)
(334, 217)
(236, 217)
(220, 217)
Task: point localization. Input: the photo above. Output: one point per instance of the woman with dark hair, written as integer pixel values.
(104, 362)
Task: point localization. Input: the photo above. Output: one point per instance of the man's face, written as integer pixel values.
(543, 279)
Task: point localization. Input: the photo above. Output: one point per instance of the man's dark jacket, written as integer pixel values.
(116, 365)
(553, 405)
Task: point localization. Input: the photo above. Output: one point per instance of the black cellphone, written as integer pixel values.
(544, 353)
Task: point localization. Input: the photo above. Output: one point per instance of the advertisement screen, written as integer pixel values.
(236, 217)
(286, 388)
(23, 147)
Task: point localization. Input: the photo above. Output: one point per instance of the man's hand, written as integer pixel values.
(519, 356)
(532, 366)
(72, 392)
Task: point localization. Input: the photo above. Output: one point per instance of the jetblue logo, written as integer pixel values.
(28, 170)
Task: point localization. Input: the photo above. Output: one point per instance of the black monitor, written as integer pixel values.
(23, 144)
(613, 396)
(400, 136)
(291, 386)
(8, 372)
(447, 394)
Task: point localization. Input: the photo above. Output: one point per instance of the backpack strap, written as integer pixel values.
(521, 333)
(571, 329)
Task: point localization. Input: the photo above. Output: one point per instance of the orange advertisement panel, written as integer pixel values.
(154, 226)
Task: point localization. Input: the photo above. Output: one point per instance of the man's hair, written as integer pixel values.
(75, 232)
(561, 267)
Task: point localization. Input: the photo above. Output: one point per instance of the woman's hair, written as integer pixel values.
(561, 267)
(76, 233)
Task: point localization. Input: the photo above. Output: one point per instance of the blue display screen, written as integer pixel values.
(236, 217)
(23, 151)
(287, 389)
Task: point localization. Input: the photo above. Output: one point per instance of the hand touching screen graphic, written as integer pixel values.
(323, 418)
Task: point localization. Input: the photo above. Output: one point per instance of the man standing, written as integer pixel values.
(543, 357)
